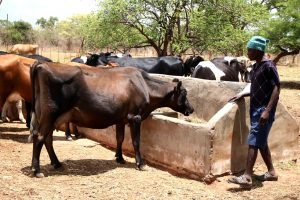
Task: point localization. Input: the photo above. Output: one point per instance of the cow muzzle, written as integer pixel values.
(189, 111)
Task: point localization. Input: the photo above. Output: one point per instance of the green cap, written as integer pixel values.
(258, 43)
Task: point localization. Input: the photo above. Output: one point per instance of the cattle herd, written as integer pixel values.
(99, 90)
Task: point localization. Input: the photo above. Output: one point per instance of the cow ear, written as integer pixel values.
(175, 80)
(179, 84)
(177, 87)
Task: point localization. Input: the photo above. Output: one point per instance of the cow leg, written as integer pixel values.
(75, 130)
(120, 138)
(33, 128)
(68, 132)
(4, 112)
(28, 113)
(135, 129)
(20, 112)
(38, 142)
(49, 146)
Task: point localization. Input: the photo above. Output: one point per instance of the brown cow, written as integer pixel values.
(15, 81)
(24, 49)
(14, 77)
(12, 110)
(97, 98)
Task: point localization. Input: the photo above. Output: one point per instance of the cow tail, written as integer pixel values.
(34, 121)
(33, 71)
(34, 124)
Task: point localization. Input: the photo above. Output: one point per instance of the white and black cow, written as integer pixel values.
(190, 64)
(223, 68)
(94, 60)
(81, 59)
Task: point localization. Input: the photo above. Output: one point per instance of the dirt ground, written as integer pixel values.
(90, 171)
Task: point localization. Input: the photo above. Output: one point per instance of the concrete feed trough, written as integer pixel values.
(212, 141)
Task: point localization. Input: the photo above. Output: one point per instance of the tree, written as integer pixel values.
(156, 23)
(224, 26)
(73, 29)
(49, 24)
(100, 33)
(5, 39)
(16, 32)
(173, 26)
(283, 29)
(48, 32)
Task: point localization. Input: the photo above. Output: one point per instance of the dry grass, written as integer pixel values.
(289, 73)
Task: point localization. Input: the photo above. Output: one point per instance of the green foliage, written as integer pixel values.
(47, 34)
(47, 24)
(103, 34)
(225, 26)
(73, 29)
(169, 26)
(140, 23)
(283, 29)
(16, 32)
(173, 26)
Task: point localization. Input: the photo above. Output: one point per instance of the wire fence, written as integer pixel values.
(59, 54)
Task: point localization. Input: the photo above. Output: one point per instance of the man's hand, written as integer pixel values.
(264, 117)
(235, 98)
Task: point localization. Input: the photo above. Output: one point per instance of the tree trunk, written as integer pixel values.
(285, 52)
(82, 44)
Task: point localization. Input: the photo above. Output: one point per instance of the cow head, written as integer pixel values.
(102, 59)
(241, 68)
(247, 75)
(92, 60)
(179, 100)
(191, 63)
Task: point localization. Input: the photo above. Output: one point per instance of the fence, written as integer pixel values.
(59, 54)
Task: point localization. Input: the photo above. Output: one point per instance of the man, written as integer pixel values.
(264, 95)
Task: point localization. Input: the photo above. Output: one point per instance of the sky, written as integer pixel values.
(31, 10)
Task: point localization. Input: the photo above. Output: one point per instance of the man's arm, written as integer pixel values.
(273, 101)
(244, 93)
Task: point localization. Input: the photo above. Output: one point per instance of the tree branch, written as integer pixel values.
(285, 52)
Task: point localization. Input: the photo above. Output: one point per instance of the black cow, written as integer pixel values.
(3, 52)
(169, 65)
(81, 59)
(72, 94)
(38, 57)
(220, 69)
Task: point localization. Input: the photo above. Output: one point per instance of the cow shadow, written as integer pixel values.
(83, 167)
(20, 134)
(13, 129)
(22, 137)
(290, 84)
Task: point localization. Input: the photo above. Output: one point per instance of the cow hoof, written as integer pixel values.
(141, 167)
(39, 175)
(57, 165)
(69, 138)
(30, 138)
(120, 160)
(5, 119)
(23, 121)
